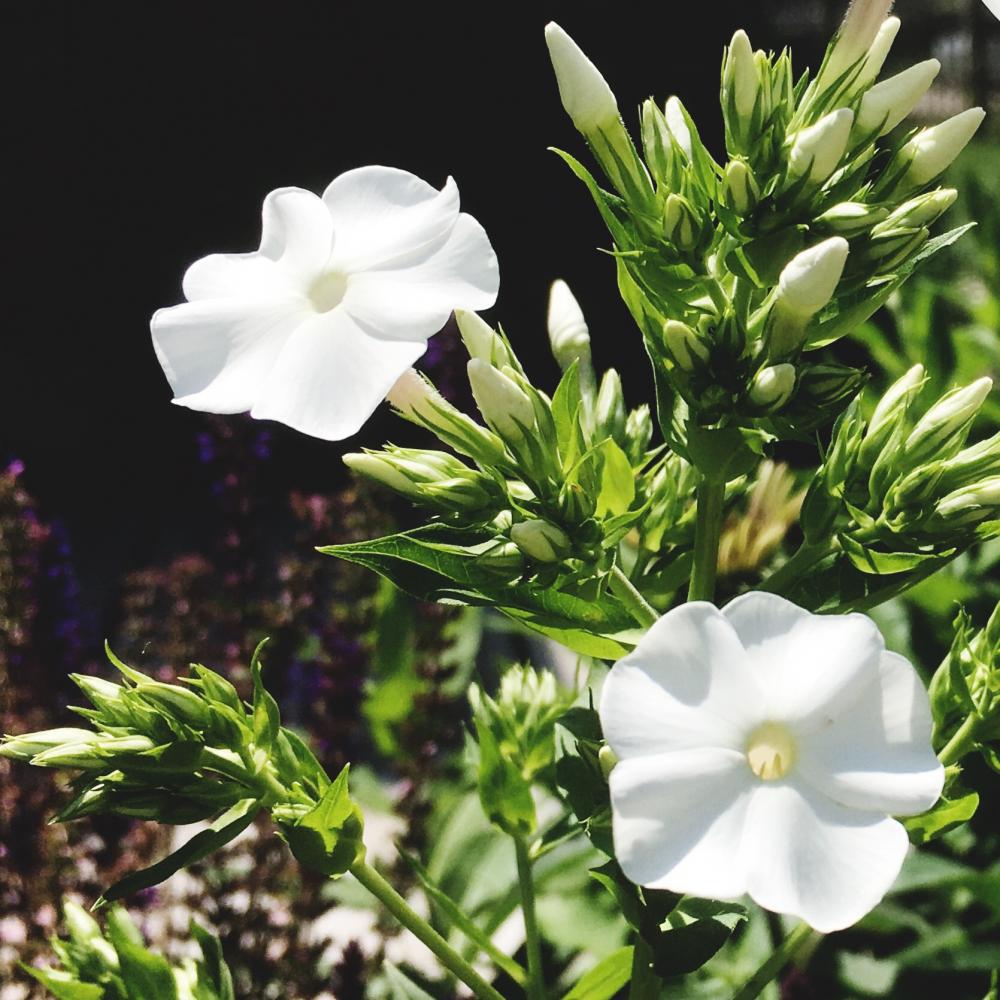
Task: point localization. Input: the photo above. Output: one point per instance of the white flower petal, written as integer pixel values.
(414, 302)
(686, 685)
(297, 233)
(217, 353)
(679, 819)
(877, 755)
(812, 858)
(330, 376)
(236, 275)
(810, 666)
(383, 216)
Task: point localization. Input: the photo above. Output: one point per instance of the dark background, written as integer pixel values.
(140, 137)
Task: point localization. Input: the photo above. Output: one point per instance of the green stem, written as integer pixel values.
(626, 592)
(771, 968)
(962, 742)
(536, 981)
(707, 531)
(423, 931)
(799, 563)
(645, 984)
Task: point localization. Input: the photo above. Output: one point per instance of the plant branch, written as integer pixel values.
(707, 532)
(420, 929)
(626, 592)
(962, 742)
(645, 984)
(536, 981)
(772, 967)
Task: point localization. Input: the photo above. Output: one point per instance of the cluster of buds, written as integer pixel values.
(903, 487)
(967, 685)
(115, 963)
(733, 270)
(194, 751)
(515, 734)
(555, 479)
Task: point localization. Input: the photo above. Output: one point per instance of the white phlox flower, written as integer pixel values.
(763, 750)
(993, 6)
(314, 327)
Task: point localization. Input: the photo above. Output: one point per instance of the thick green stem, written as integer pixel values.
(796, 566)
(645, 984)
(771, 968)
(536, 979)
(420, 929)
(961, 743)
(707, 531)
(626, 592)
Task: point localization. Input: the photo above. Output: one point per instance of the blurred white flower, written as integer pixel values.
(993, 6)
(314, 327)
(762, 750)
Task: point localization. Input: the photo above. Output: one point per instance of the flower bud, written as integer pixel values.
(609, 411)
(887, 250)
(878, 51)
(739, 75)
(377, 468)
(673, 112)
(503, 403)
(809, 279)
(817, 150)
(918, 212)
(979, 461)
(82, 927)
(740, 192)
(890, 410)
(639, 432)
(864, 22)
(946, 423)
(680, 223)
(93, 753)
(480, 339)
(540, 540)
(502, 557)
(606, 759)
(971, 503)
(772, 387)
(584, 92)
(932, 150)
(685, 347)
(850, 218)
(24, 748)
(568, 333)
(886, 104)
(182, 703)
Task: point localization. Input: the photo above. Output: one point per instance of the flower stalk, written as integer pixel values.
(533, 942)
(626, 592)
(707, 532)
(773, 966)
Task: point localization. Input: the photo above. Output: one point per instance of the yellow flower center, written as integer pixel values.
(771, 751)
(328, 290)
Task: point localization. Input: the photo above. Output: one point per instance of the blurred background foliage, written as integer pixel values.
(372, 676)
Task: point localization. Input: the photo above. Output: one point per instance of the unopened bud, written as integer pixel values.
(772, 387)
(809, 279)
(609, 412)
(503, 557)
(639, 432)
(739, 75)
(878, 51)
(850, 218)
(541, 540)
(82, 927)
(680, 223)
(918, 212)
(377, 468)
(932, 150)
(673, 112)
(946, 422)
(182, 703)
(889, 249)
(503, 403)
(92, 754)
(685, 347)
(606, 759)
(971, 503)
(864, 21)
(480, 339)
(891, 409)
(740, 192)
(23, 748)
(584, 92)
(886, 104)
(568, 332)
(817, 150)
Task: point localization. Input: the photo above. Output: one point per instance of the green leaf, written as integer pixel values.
(328, 838)
(617, 481)
(947, 814)
(605, 979)
(876, 563)
(401, 987)
(698, 928)
(228, 826)
(64, 985)
(145, 975)
(504, 793)
(266, 718)
(213, 973)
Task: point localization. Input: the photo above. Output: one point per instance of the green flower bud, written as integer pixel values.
(540, 540)
(971, 503)
(888, 249)
(932, 150)
(569, 336)
(816, 151)
(978, 461)
(918, 212)
(850, 218)
(505, 406)
(24, 748)
(877, 52)
(480, 339)
(740, 191)
(773, 386)
(584, 92)
(609, 412)
(864, 22)
(681, 225)
(181, 703)
(891, 409)
(673, 113)
(639, 432)
(376, 467)
(82, 927)
(686, 349)
(606, 759)
(740, 77)
(92, 754)
(886, 104)
(941, 431)
(502, 557)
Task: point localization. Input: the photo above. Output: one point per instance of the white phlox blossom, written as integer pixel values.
(763, 750)
(993, 6)
(314, 327)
